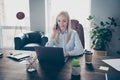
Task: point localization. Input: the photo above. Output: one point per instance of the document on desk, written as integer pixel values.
(19, 56)
(115, 63)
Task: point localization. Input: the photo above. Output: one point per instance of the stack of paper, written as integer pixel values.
(115, 63)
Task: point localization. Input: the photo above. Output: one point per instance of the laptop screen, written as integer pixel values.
(50, 54)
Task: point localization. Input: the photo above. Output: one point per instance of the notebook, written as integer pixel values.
(50, 55)
(19, 56)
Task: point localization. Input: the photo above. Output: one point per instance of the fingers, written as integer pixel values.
(66, 54)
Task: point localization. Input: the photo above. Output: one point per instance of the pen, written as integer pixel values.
(106, 77)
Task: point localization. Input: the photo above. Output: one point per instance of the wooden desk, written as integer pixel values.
(12, 70)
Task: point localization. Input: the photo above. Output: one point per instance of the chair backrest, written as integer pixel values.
(79, 28)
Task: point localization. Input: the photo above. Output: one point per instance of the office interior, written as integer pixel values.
(39, 13)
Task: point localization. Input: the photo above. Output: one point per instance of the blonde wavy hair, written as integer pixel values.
(64, 13)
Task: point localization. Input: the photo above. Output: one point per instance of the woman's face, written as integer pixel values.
(62, 22)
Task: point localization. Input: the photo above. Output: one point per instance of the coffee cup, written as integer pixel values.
(88, 57)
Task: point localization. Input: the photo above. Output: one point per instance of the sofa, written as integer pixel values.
(27, 41)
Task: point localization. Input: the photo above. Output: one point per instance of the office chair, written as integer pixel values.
(79, 28)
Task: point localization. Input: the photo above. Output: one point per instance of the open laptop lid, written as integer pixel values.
(50, 55)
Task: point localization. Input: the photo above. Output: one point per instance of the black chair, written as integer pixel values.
(27, 41)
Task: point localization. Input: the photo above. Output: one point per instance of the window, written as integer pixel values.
(9, 24)
(77, 9)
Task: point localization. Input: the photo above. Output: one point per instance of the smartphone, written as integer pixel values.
(57, 25)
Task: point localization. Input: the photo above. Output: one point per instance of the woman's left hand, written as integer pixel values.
(66, 54)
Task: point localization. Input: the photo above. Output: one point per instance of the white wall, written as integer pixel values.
(37, 15)
(106, 8)
(102, 9)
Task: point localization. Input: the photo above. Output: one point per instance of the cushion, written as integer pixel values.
(34, 37)
(30, 46)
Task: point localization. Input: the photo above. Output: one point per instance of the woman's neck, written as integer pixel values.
(63, 31)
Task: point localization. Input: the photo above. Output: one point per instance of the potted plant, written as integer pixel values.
(101, 34)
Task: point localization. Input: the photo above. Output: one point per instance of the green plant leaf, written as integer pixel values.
(102, 23)
(90, 17)
(101, 34)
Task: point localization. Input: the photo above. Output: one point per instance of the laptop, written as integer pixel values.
(50, 55)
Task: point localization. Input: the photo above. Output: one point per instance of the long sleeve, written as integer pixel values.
(74, 47)
(51, 43)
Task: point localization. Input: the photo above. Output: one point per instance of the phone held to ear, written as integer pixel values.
(57, 26)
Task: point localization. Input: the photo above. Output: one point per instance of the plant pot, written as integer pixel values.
(99, 53)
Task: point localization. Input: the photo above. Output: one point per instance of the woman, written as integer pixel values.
(65, 37)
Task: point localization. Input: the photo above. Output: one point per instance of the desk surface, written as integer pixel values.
(12, 70)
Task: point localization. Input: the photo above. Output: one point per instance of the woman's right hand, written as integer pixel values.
(55, 31)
